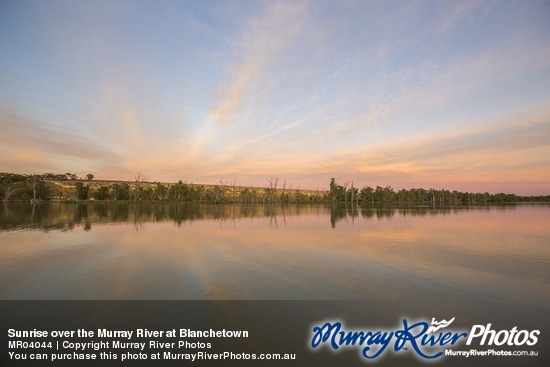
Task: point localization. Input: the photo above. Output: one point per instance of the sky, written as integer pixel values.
(434, 94)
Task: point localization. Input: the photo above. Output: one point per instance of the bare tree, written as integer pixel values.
(233, 186)
(139, 180)
(34, 181)
(219, 191)
(346, 184)
(272, 188)
(140, 177)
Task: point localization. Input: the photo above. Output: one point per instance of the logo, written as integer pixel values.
(426, 340)
(439, 325)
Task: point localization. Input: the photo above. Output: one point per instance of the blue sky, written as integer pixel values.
(427, 94)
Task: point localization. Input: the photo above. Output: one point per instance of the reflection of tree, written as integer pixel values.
(136, 214)
(66, 216)
(337, 213)
(271, 211)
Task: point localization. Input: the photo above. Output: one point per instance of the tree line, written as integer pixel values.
(347, 193)
(38, 187)
(223, 192)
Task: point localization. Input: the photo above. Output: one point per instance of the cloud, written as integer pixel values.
(501, 152)
(263, 44)
(458, 12)
(30, 145)
(370, 91)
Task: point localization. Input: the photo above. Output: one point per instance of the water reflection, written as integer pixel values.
(186, 251)
(64, 216)
(67, 216)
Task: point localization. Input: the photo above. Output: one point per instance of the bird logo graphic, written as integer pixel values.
(439, 325)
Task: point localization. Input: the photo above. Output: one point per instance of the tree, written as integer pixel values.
(121, 192)
(272, 189)
(161, 191)
(82, 191)
(39, 189)
(353, 193)
(200, 192)
(337, 192)
(367, 194)
(8, 189)
(249, 195)
(284, 195)
(299, 196)
(345, 189)
(176, 191)
(89, 176)
(219, 191)
(139, 180)
(233, 192)
(102, 193)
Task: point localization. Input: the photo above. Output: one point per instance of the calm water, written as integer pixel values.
(481, 265)
(182, 251)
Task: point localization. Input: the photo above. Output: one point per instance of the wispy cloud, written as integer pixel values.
(458, 12)
(266, 39)
(27, 142)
